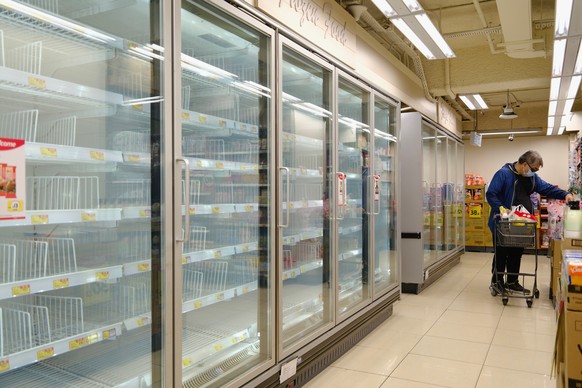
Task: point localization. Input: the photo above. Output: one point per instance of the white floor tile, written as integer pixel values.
(450, 349)
(528, 325)
(493, 309)
(522, 340)
(438, 371)
(393, 382)
(469, 318)
(333, 377)
(519, 359)
(492, 377)
(423, 312)
(462, 332)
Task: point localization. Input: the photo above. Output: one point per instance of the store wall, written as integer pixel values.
(493, 153)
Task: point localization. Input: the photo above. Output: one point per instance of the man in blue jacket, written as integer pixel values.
(512, 185)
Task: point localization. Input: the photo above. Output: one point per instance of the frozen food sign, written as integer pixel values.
(324, 23)
(12, 179)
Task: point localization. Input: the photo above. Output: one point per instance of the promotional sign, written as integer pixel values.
(12, 179)
(341, 189)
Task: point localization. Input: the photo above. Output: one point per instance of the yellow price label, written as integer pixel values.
(145, 213)
(426, 219)
(15, 205)
(88, 217)
(245, 249)
(197, 305)
(61, 283)
(220, 297)
(217, 253)
(109, 334)
(184, 260)
(215, 210)
(294, 137)
(138, 107)
(248, 208)
(475, 211)
(143, 267)
(243, 167)
(203, 119)
(140, 322)
(187, 362)
(80, 342)
(285, 276)
(23, 289)
(245, 290)
(133, 158)
(222, 123)
(45, 353)
(219, 165)
(293, 274)
(36, 82)
(185, 116)
(218, 347)
(4, 365)
(439, 219)
(97, 155)
(199, 163)
(291, 205)
(192, 210)
(104, 275)
(457, 211)
(39, 219)
(48, 151)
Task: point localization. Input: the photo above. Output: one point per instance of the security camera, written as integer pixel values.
(510, 138)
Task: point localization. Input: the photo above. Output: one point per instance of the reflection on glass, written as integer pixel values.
(227, 256)
(430, 202)
(355, 211)
(306, 292)
(385, 249)
(460, 196)
(79, 271)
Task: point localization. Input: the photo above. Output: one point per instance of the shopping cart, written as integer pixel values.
(518, 234)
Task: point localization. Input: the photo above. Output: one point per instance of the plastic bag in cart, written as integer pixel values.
(520, 213)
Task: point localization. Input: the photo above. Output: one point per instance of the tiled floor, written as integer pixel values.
(455, 334)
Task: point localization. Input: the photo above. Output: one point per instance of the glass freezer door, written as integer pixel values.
(354, 182)
(386, 271)
(81, 249)
(305, 197)
(430, 203)
(226, 136)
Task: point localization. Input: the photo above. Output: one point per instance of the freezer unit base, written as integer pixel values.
(435, 271)
(316, 360)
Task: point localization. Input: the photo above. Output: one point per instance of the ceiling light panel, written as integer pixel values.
(474, 102)
(563, 16)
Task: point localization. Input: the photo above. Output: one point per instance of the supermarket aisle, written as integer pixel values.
(455, 334)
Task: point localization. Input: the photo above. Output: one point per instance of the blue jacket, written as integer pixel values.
(502, 189)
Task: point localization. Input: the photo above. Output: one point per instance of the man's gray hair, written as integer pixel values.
(531, 157)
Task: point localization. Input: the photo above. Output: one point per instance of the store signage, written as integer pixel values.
(447, 117)
(12, 179)
(323, 22)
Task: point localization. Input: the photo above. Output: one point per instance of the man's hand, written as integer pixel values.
(569, 198)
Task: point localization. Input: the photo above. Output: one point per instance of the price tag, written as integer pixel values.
(45, 353)
(80, 342)
(187, 362)
(197, 305)
(219, 165)
(243, 126)
(109, 334)
(138, 107)
(192, 210)
(243, 167)
(184, 260)
(97, 155)
(145, 213)
(185, 116)
(217, 253)
(293, 274)
(203, 119)
(245, 290)
(140, 322)
(133, 158)
(102, 275)
(199, 163)
(37, 219)
(248, 208)
(218, 347)
(15, 205)
(88, 217)
(222, 123)
(215, 210)
(457, 211)
(143, 267)
(220, 296)
(4, 365)
(475, 210)
(36, 82)
(245, 249)
(48, 151)
(61, 283)
(426, 219)
(23, 289)
(439, 219)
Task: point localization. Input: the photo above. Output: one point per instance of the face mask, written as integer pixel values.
(529, 174)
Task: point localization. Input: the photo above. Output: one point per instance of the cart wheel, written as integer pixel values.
(529, 302)
(537, 293)
(505, 300)
(493, 291)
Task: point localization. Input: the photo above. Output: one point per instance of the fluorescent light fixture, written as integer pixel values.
(411, 19)
(554, 88)
(57, 21)
(385, 8)
(578, 66)
(552, 108)
(574, 86)
(551, 122)
(435, 35)
(508, 133)
(561, 130)
(568, 106)
(416, 41)
(563, 15)
(549, 131)
(474, 102)
(558, 59)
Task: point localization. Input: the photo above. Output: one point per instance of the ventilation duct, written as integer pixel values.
(516, 23)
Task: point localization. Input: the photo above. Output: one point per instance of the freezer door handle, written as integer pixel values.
(414, 235)
(186, 226)
(287, 199)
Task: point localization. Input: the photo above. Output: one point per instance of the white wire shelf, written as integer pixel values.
(52, 153)
(302, 236)
(221, 165)
(45, 351)
(77, 95)
(220, 127)
(218, 297)
(52, 217)
(304, 268)
(55, 282)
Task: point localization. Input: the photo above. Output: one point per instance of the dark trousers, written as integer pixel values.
(506, 259)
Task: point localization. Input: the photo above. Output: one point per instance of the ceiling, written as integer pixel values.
(481, 33)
